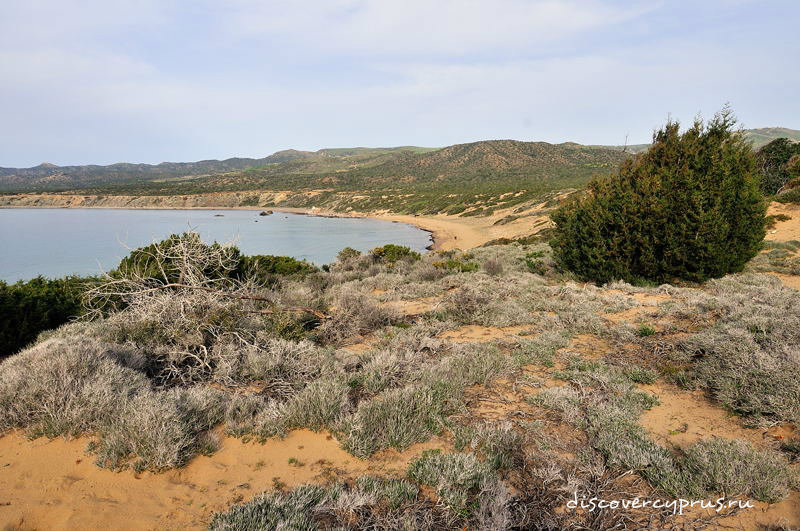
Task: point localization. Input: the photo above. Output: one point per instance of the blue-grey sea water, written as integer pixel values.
(57, 242)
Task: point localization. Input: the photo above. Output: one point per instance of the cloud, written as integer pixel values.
(187, 81)
(421, 27)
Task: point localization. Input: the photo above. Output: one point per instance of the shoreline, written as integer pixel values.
(446, 231)
(443, 233)
(438, 237)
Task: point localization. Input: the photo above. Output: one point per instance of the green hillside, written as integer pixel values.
(475, 178)
(478, 177)
(765, 135)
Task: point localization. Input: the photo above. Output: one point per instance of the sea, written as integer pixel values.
(54, 242)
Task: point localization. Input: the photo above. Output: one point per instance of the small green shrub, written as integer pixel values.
(458, 478)
(645, 330)
(792, 196)
(396, 418)
(773, 162)
(534, 262)
(275, 510)
(394, 491)
(737, 468)
(265, 268)
(162, 260)
(640, 375)
(348, 253)
(460, 266)
(391, 253)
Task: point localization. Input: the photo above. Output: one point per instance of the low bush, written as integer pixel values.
(268, 268)
(355, 314)
(493, 267)
(534, 262)
(29, 308)
(606, 405)
(397, 418)
(749, 360)
(460, 266)
(391, 253)
(737, 468)
(81, 386)
(773, 162)
(459, 478)
(372, 502)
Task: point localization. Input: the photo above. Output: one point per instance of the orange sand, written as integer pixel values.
(54, 485)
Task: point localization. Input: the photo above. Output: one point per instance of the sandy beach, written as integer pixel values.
(448, 232)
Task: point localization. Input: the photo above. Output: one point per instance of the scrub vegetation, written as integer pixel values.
(507, 382)
(200, 347)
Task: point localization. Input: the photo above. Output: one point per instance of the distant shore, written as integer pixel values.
(447, 232)
(444, 235)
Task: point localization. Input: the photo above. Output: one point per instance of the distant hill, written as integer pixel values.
(50, 177)
(475, 178)
(765, 135)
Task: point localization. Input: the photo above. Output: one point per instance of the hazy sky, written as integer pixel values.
(102, 81)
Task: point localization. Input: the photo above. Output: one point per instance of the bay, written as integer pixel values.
(58, 242)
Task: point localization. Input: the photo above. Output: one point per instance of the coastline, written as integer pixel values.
(446, 232)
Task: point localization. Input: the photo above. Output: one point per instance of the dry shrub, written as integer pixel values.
(67, 386)
(493, 267)
(354, 314)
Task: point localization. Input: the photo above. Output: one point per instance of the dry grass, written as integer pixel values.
(151, 380)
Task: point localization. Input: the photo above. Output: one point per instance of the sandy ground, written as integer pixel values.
(786, 231)
(684, 417)
(53, 485)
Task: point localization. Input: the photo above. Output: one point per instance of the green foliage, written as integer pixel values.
(275, 510)
(453, 264)
(736, 467)
(348, 253)
(458, 478)
(266, 268)
(28, 308)
(792, 196)
(534, 262)
(160, 260)
(640, 375)
(645, 330)
(772, 161)
(391, 253)
(688, 208)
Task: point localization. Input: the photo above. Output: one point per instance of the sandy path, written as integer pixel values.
(53, 485)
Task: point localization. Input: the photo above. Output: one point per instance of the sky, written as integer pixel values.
(104, 81)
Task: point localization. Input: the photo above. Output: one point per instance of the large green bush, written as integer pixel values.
(27, 308)
(689, 208)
